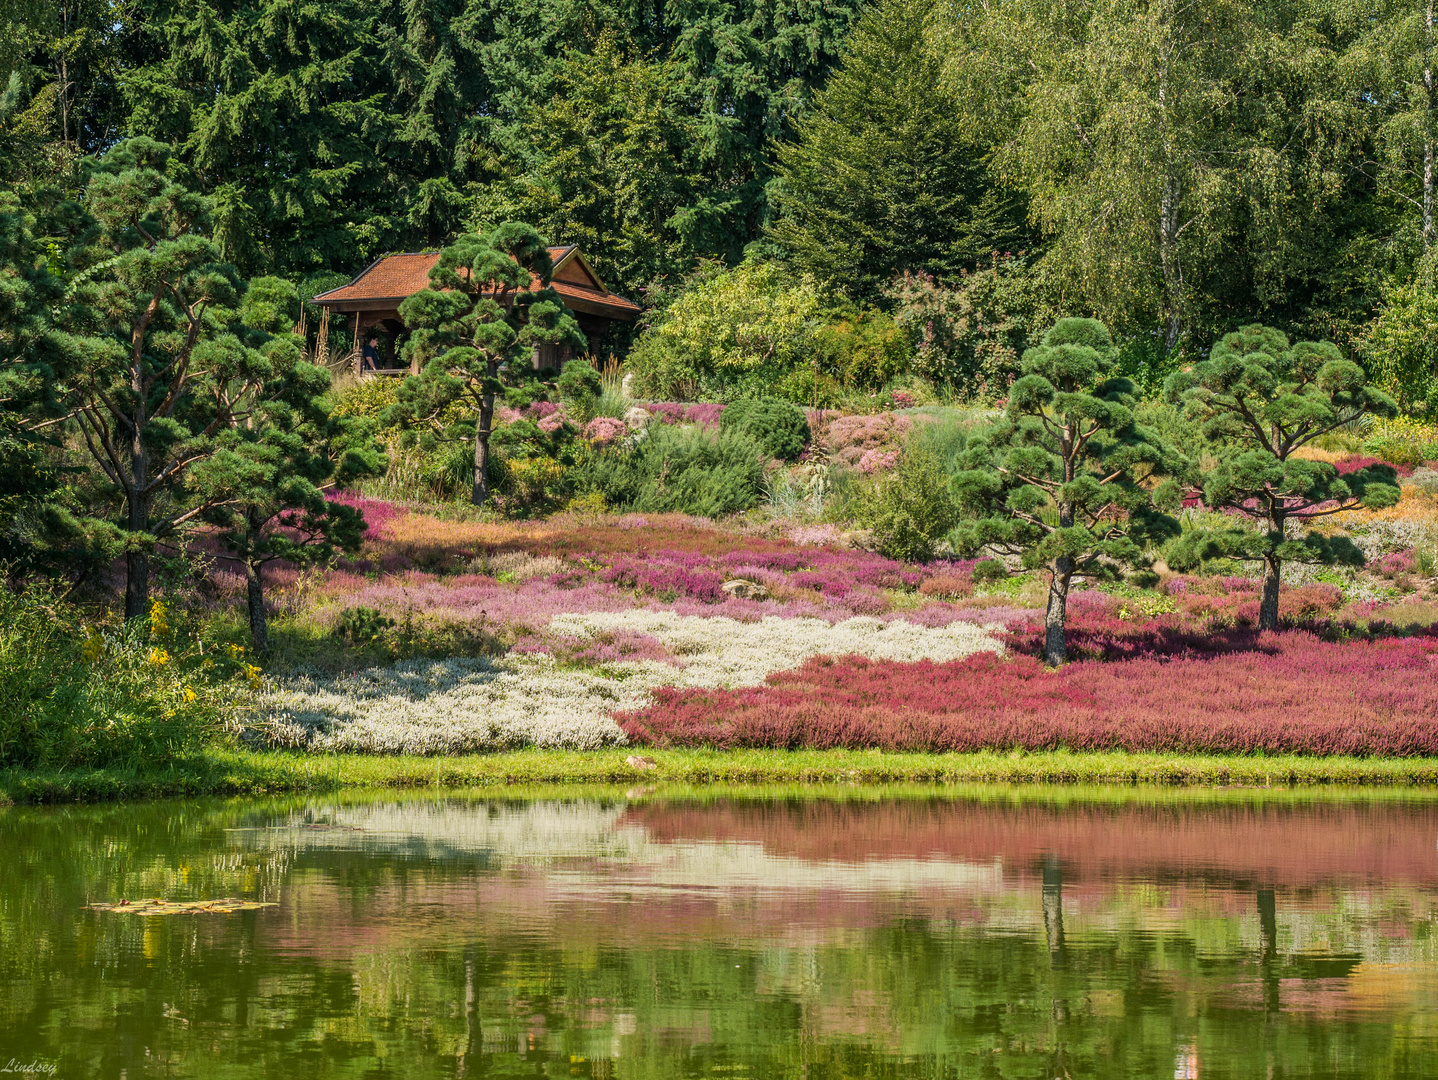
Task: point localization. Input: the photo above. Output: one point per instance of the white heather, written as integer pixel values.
(457, 706)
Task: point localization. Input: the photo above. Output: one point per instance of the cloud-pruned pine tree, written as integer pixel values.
(161, 365)
(1260, 400)
(1067, 481)
(264, 485)
(480, 311)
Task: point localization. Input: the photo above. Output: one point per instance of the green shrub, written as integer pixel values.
(726, 330)
(989, 570)
(579, 387)
(778, 426)
(910, 509)
(863, 349)
(77, 697)
(679, 470)
(364, 397)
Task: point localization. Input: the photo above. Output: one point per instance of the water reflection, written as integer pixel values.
(984, 933)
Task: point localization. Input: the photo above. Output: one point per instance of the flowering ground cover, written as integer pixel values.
(1290, 693)
(616, 630)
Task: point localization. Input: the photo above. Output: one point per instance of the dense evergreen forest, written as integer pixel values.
(1174, 167)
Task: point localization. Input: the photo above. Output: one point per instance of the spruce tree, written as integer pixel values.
(264, 483)
(480, 311)
(883, 176)
(1260, 400)
(1067, 481)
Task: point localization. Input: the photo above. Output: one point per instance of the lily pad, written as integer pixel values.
(181, 907)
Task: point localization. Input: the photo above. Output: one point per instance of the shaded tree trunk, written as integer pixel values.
(479, 493)
(255, 596)
(1268, 606)
(1428, 131)
(1055, 618)
(137, 559)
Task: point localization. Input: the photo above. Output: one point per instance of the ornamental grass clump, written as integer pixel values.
(1260, 400)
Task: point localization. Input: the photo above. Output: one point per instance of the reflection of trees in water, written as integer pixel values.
(1053, 905)
(1268, 949)
(495, 987)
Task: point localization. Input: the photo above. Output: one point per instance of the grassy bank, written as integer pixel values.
(243, 773)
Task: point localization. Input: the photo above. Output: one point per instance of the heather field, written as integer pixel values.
(448, 636)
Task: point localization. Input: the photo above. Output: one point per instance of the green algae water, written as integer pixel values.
(982, 933)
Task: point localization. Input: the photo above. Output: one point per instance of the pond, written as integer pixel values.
(913, 932)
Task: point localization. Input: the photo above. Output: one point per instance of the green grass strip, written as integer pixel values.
(228, 772)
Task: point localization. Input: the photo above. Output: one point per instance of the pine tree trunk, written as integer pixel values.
(480, 494)
(1055, 644)
(1268, 607)
(137, 560)
(255, 594)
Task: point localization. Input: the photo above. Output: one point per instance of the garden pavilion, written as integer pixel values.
(372, 300)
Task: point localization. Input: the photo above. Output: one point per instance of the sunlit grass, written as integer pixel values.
(232, 772)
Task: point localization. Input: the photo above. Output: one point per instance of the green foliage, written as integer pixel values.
(166, 363)
(1259, 399)
(779, 427)
(1065, 480)
(726, 334)
(580, 386)
(1188, 164)
(479, 312)
(72, 695)
(861, 348)
(909, 509)
(1402, 440)
(884, 175)
(969, 331)
(679, 470)
(263, 484)
(1400, 347)
(986, 570)
(367, 399)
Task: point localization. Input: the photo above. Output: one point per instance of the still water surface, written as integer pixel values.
(975, 933)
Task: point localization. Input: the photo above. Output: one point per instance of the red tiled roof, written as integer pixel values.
(392, 277)
(395, 277)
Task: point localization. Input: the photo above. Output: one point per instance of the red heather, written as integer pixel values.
(1291, 693)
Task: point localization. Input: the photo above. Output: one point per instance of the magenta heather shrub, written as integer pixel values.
(902, 399)
(540, 409)
(666, 412)
(1399, 562)
(1356, 462)
(872, 461)
(606, 648)
(848, 438)
(603, 430)
(378, 514)
(703, 413)
(1293, 694)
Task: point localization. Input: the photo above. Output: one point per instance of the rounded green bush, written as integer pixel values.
(778, 426)
(989, 570)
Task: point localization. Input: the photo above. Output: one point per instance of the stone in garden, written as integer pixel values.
(636, 417)
(742, 589)
(634, 761)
